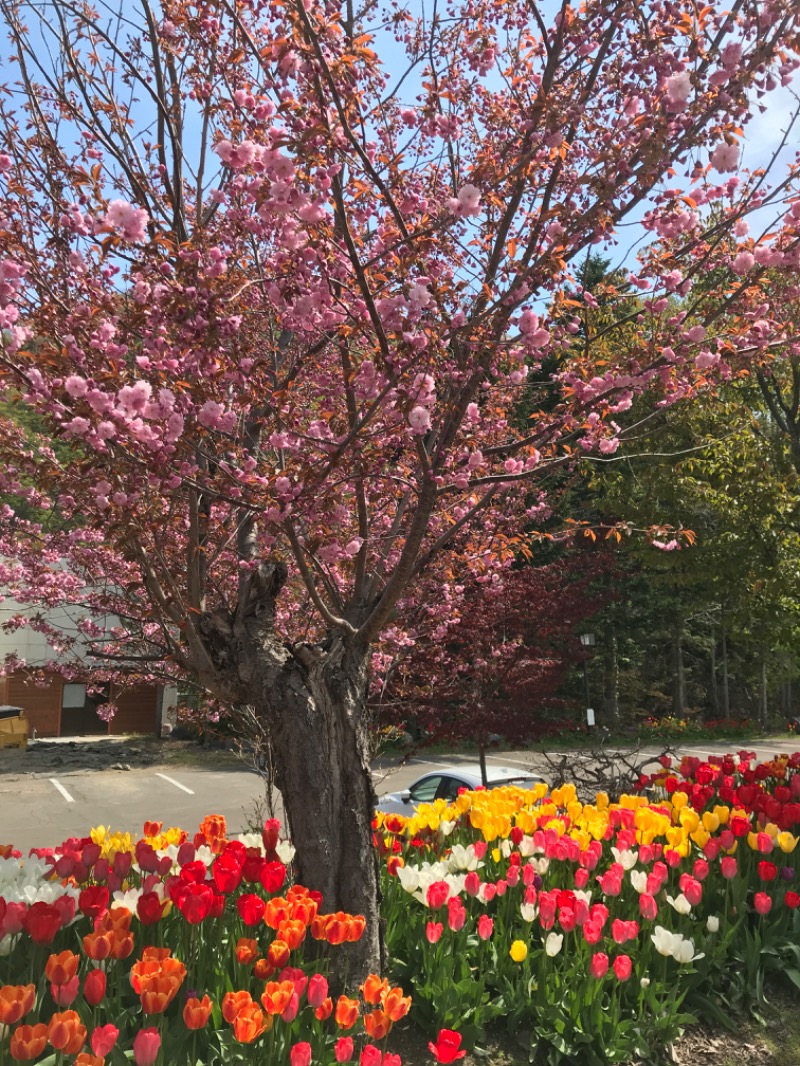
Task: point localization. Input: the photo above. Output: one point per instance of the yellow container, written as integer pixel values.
(14, 732)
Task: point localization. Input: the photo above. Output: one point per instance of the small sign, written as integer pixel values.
(589, 716)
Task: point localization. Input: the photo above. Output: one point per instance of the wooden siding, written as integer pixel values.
(136, 710)
(136, 707)
(41, 705)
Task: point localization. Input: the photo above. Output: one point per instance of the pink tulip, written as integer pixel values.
(622, 967)
(146, 1046)
(599, 965)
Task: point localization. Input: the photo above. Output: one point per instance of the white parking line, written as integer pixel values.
(57, 785)
(177, 784)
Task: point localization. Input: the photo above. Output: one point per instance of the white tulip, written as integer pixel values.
(681, 904)
(712, 923)
(639, 880)
(552, 944)
(663, 940)
(627, 859)
(528, 911)
(285, 851)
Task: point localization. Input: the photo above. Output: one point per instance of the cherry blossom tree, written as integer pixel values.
(276, 273)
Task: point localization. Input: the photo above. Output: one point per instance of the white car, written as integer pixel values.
(445, 783)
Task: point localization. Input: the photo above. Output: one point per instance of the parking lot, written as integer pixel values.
(42, 807)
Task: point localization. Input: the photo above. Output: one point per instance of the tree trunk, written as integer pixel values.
(726, 696)
(614, 708)
(714, 685)
(314, 699)
(323, 774)
(679, 682)
(482, 759)
(763, 689)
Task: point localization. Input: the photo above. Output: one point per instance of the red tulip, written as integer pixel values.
(762, 903)
(103, 1039)
(622, 967)
(250, 908)
(227, 873)
(767, 871)
(599, 965)
(728, 867)
(343, 1049)
(42, 922)
(317, 990)
(445, 1050)
(485, 926)
(272, 876)
(65, 993)
(792, 899)
(94, 988)
(195, 903)
(371, 1056)
(150, 908)
(437, 894)
(433, 931)
(146, 1046)
(300, 1054)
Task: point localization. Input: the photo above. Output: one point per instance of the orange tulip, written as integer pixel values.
(87, 1059)
(246, 951)
(156, 964)
(197, 1012)
(277, 995)
(358, 923)
(61, 968)
(233, 1002)
(263, 970)
(15, 1002)
(249, 1024)
(158, 992)
(377, 1024)
(154, 954)
(304, 910)
(276, 911)
(152, 829)
(97, 946)
(396, 1004)
(374, 989)
(346, 1012)
(66, 1032)
(337, 930)
(292, 932)
(28, 1042)
(121, 945)
(278, 954)
(324, 1010)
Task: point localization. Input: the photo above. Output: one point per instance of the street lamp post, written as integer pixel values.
(587, 640)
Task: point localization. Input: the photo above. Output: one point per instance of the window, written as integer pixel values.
(74, 696)
(449, 788)
(425, 790)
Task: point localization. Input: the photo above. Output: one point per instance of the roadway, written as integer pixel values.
(42, 809)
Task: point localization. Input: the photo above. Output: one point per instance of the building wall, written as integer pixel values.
(42, 705)
(136, 708)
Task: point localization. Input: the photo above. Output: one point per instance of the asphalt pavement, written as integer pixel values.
(41, 810)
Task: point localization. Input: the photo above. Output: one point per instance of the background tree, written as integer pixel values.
(287, 313)
(498, 661)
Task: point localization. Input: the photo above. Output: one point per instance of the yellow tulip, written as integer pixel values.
(786, 842)
(518, 951)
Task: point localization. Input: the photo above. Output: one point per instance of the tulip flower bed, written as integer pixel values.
(600, 929)
(171, 951)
